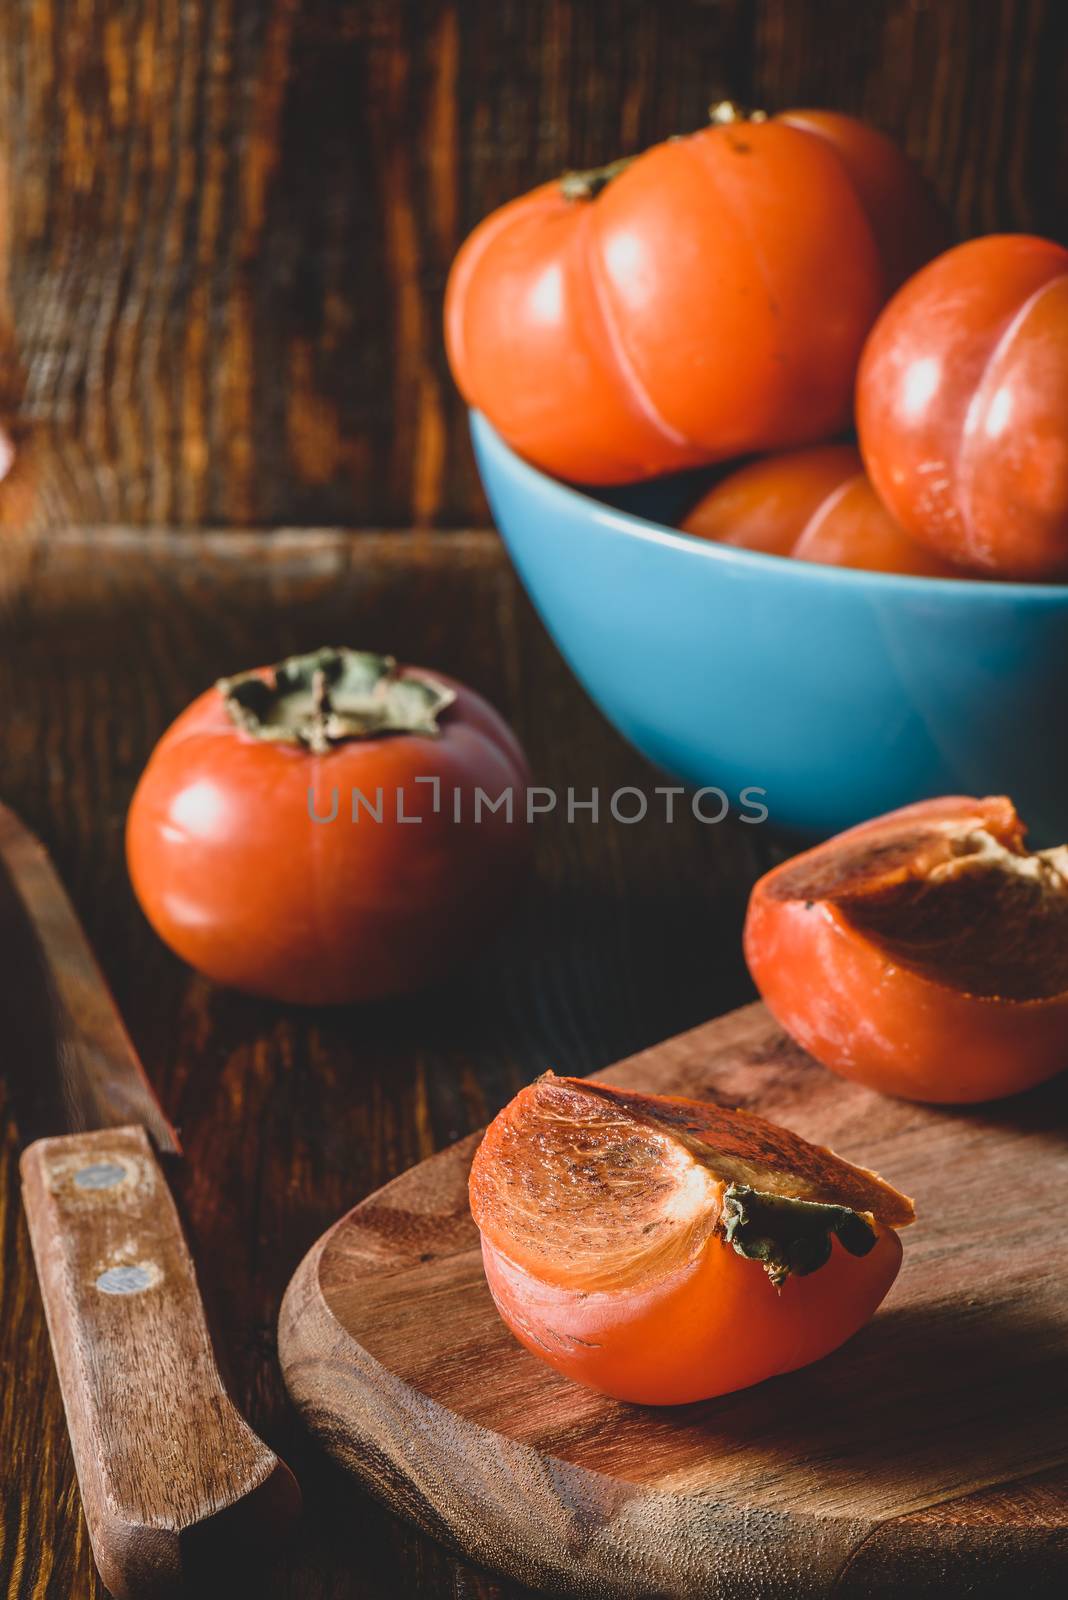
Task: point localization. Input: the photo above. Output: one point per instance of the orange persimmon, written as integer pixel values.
(962, 397)
(705, 299)
(924, 953)
(816, 505)
(663, 1250)
(309, 831)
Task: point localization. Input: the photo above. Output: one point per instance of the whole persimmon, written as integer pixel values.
(663, 1250)
(924, 954)
(815, 505)
(332, 829)
(962, 407)
(706, 299)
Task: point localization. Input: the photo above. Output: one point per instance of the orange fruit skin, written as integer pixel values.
(816, 505)
(867, 1018)
(767, 504)
(711, 301)
(962, 395)
(900, 206)
(715, 1325)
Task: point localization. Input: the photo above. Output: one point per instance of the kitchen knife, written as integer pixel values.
(173, 1480)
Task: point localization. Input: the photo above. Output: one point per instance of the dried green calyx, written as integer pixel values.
(332, 695)
(790, 1235)
(587, 185)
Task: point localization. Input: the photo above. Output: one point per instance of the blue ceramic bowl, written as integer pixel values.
(840, 693)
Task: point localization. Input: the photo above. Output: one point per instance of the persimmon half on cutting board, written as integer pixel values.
(663, 1250)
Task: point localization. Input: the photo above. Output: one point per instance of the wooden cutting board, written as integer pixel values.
(928, 1456)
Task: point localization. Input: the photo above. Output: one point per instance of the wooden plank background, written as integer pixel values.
(231, 222)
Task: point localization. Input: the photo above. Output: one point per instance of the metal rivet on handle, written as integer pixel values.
(126, 1280)
(101, 1175)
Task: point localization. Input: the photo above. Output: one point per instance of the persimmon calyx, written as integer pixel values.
(332, 695)
(587, 185)
(789, 1235)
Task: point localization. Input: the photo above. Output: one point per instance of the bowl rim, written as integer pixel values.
(987, 591)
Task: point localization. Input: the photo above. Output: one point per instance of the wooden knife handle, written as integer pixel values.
(174, 1481)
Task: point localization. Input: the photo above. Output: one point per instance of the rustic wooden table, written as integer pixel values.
(629, 933)
(230, 227)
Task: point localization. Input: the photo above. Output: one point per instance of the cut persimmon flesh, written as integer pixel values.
(924, 954)
(663, 1250)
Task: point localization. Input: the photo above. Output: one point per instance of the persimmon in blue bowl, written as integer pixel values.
(840, 693)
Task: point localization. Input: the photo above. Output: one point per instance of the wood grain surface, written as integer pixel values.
(395, 1357)
(231, 222)
(287, 1118)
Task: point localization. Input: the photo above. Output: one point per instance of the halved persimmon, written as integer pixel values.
(924, 954)
(664, 1250)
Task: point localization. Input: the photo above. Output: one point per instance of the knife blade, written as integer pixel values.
(78, 1068)
(175, 1484)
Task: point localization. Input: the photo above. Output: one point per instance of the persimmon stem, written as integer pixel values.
(322, 709)
(321, 701)
(724, 113)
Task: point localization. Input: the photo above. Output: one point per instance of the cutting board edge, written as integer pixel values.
(311, 1339)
